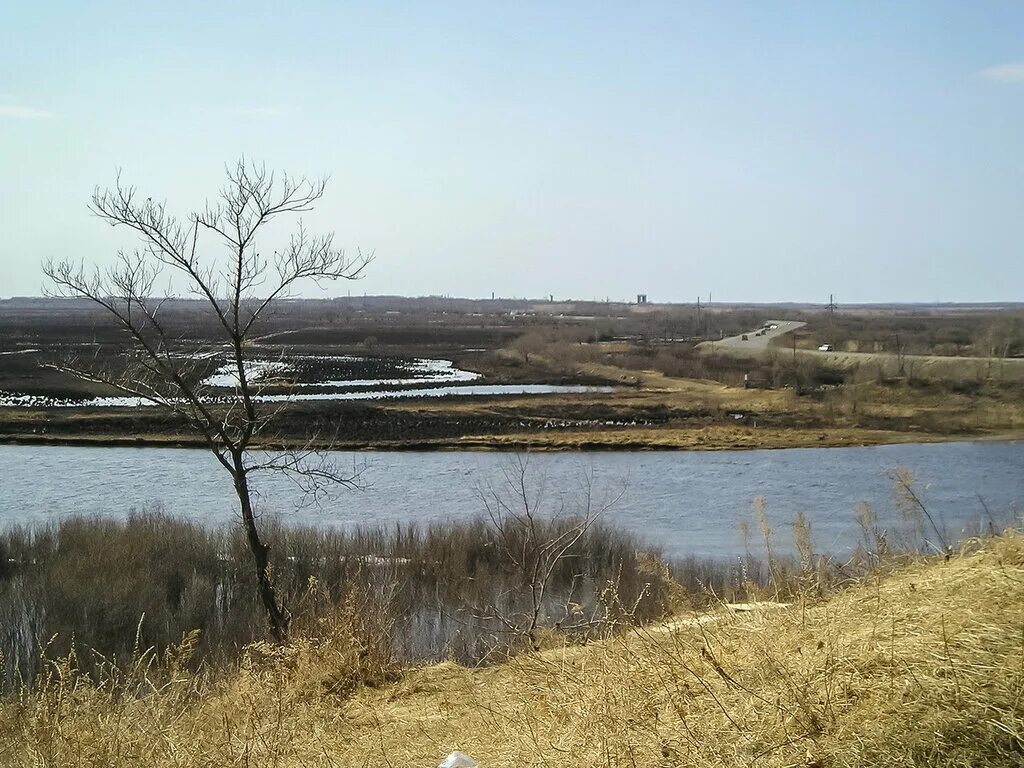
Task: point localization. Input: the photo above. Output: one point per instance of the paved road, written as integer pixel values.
(929, 366)
(754, 343)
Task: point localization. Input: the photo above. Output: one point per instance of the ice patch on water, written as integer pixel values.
(226, 377)
(422, 370)
(12, 400)
(427, 372)
(475, 390)
(448, 381)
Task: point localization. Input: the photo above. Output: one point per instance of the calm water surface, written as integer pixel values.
(685, 502)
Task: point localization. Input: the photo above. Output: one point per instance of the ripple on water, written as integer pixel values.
(687, 503)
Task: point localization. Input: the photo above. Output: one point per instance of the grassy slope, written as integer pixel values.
(924, 667)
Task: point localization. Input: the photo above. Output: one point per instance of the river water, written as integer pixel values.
(687, 503)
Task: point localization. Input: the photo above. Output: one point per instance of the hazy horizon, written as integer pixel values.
(762, 153)
(557, 300)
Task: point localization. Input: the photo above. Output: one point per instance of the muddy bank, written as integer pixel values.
(538, 423)
(349, 422)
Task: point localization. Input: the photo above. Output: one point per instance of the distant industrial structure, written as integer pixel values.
(641, 298)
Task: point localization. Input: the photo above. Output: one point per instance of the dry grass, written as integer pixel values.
(923, 667)
(704, 438)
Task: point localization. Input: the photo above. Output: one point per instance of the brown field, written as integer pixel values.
(668, 392)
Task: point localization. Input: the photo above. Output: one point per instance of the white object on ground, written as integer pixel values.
(459, 760)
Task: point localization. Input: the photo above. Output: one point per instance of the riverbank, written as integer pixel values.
(694, 439)
(671, 415)
(920, 667)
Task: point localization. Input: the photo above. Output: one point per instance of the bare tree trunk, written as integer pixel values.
(238, 290)
(279, 616)
(537, 596)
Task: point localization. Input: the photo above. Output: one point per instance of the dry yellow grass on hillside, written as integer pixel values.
(923, 667)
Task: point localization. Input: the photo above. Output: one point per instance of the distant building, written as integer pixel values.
(641, 298)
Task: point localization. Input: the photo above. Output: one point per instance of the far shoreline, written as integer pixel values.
(697, 441)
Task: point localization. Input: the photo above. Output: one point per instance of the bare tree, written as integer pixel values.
(216, 253)
(536, 536)
(533, 341)
(994, 341)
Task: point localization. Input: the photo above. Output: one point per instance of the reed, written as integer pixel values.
(100, 588)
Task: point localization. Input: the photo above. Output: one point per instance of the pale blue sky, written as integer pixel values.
(760, 151)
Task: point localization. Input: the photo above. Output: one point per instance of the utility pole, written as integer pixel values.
(698, 315)
(831, 320)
